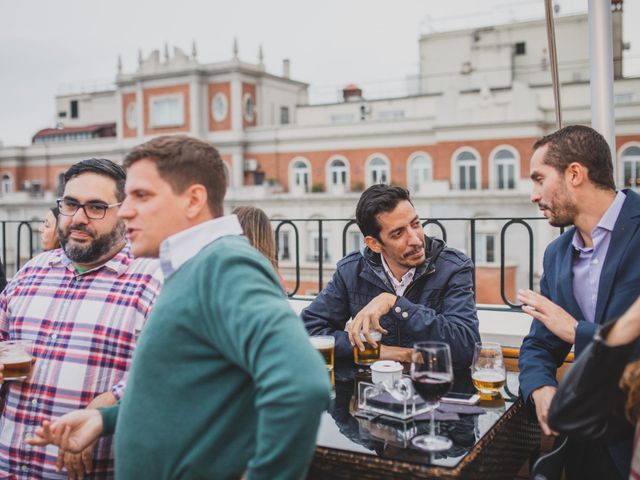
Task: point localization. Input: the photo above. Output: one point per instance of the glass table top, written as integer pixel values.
(344, 427)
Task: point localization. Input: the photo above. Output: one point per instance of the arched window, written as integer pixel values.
(466, 170)
(338, 175)
(631, 166)
(300, 176)
(420, 172)
(378, 170)
(505, 169)
(7, 183)
(338, 172)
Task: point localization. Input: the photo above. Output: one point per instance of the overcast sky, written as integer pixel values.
(47, 47)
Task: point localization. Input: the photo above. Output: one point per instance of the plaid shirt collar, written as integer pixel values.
(118, 264)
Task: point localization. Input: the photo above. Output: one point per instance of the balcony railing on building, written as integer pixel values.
(507, 252)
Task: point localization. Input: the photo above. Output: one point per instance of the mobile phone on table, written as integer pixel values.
(461, 398)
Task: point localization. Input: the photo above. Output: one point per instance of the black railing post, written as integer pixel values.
(472, 227)
(276, 233)
(345, 231)
(503, 235)
(18, 243)
(432, 221)
(4, 247)
(320, 255)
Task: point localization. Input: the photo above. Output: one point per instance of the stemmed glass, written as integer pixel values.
(432, 376)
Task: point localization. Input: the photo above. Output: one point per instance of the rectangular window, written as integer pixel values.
(314, 254)
(343, 118)
(284, 251)
(355, 242)
(167, 111)
(486, 248)
(506, 173)
(472, 177)
(74, 108)
(284, 115)
(391, 115)
(521, 48)
(463, 177)
(511, 181)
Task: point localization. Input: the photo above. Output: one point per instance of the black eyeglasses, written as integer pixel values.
(93, 210)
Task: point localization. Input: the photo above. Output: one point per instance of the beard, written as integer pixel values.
(563, 211)
(96, 249)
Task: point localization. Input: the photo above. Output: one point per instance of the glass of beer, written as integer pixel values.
(370, 353)
(326, 345)
(487, 371)
(16, 357)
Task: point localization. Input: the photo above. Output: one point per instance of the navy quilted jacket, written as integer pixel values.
(437, 305)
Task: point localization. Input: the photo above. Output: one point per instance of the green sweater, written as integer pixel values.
(224, 379)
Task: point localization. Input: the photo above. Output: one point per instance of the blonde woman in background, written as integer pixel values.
(257, 228)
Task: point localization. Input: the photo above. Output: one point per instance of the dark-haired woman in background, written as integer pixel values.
(49, 230)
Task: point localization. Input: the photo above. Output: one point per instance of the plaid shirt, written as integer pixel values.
(84, 328)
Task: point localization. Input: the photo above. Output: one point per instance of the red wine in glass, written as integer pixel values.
(431, 386)
(432, 376)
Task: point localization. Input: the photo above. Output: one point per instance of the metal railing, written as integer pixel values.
(25, 234)
(26, 243)
(470, 225)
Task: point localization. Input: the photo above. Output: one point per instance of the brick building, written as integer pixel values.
(460, 140)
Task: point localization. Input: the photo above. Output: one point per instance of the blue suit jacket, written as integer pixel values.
(542, 352)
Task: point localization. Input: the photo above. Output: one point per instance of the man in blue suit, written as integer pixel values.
(591, 275)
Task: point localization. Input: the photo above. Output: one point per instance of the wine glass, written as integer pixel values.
(487, 371)
(432, 376)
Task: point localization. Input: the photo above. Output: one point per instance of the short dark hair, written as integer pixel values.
(100, 166)
(577, 143)
(374, 200)
(56, 212)
(183, 161)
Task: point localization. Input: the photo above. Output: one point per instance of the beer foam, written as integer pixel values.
(322, 342)
(17, 357)
(376, 335)
(488, 376)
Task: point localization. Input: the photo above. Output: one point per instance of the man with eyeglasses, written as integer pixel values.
(82, 306)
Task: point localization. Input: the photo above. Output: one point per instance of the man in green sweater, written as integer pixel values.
(224, 381)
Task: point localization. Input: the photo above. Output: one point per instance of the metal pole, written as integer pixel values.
(601, 54)
(553, 60)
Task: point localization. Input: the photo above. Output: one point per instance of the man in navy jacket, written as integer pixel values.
(591, 275)
(405, 285)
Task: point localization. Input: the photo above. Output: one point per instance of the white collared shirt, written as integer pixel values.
(398, 286)
(181, 247)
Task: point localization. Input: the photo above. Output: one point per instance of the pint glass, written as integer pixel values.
(16, 357)
(370, 353)
(487, 371)
(325, 344)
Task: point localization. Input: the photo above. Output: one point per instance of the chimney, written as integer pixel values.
(286, 67)
(352, 93)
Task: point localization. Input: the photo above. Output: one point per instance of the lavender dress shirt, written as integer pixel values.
(588, 263)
